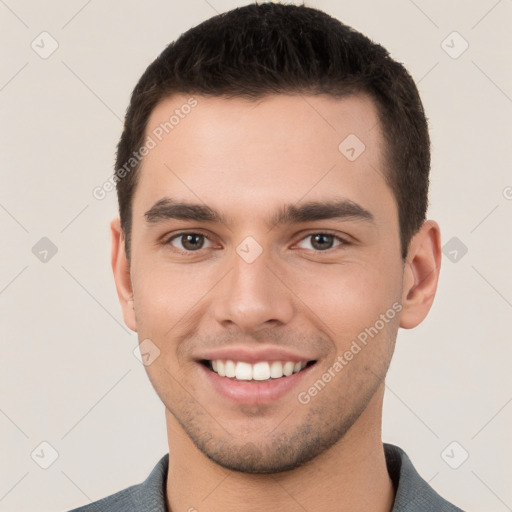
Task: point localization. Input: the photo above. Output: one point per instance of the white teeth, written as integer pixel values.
(276, 369)
(243, 371)
(288, 368)
(229, 368)
(262, 370)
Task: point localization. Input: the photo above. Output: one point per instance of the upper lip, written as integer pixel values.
(254, 355)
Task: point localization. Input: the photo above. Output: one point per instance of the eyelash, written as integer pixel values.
(343, 241)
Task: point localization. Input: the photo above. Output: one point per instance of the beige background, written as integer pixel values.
(68, 374)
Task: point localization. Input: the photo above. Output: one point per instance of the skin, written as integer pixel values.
(246, 159)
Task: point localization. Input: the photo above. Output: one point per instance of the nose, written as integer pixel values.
(253, 296)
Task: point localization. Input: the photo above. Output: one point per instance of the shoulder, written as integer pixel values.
(125, 500)
(145, 497)
(413, 493)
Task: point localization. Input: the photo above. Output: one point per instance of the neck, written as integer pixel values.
(350, 476)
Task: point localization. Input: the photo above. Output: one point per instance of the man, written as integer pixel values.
(272, 179)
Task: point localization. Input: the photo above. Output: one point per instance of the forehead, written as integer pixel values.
(280, 148)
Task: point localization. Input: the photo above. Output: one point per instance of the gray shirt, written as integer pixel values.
(413, 494)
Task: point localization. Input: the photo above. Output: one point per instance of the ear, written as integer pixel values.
(421, 274)
(121, 269)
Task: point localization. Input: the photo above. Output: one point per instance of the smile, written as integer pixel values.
(260, 371)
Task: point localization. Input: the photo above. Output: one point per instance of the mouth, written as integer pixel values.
(260, 372)
(249, 376)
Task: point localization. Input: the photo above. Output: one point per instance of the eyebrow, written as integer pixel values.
(322, 210)
(167, 208)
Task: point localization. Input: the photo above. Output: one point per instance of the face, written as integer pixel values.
(257, 238)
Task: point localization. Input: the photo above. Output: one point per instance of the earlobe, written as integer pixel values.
(421, 275)
(122, 278)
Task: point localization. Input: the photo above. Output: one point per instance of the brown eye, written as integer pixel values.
(189, 241)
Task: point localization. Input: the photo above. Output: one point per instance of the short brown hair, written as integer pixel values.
(257, 50)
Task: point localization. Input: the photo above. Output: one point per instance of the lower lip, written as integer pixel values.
(254, 393)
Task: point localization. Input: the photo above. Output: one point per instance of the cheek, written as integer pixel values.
(164, 293)
(349, 297)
